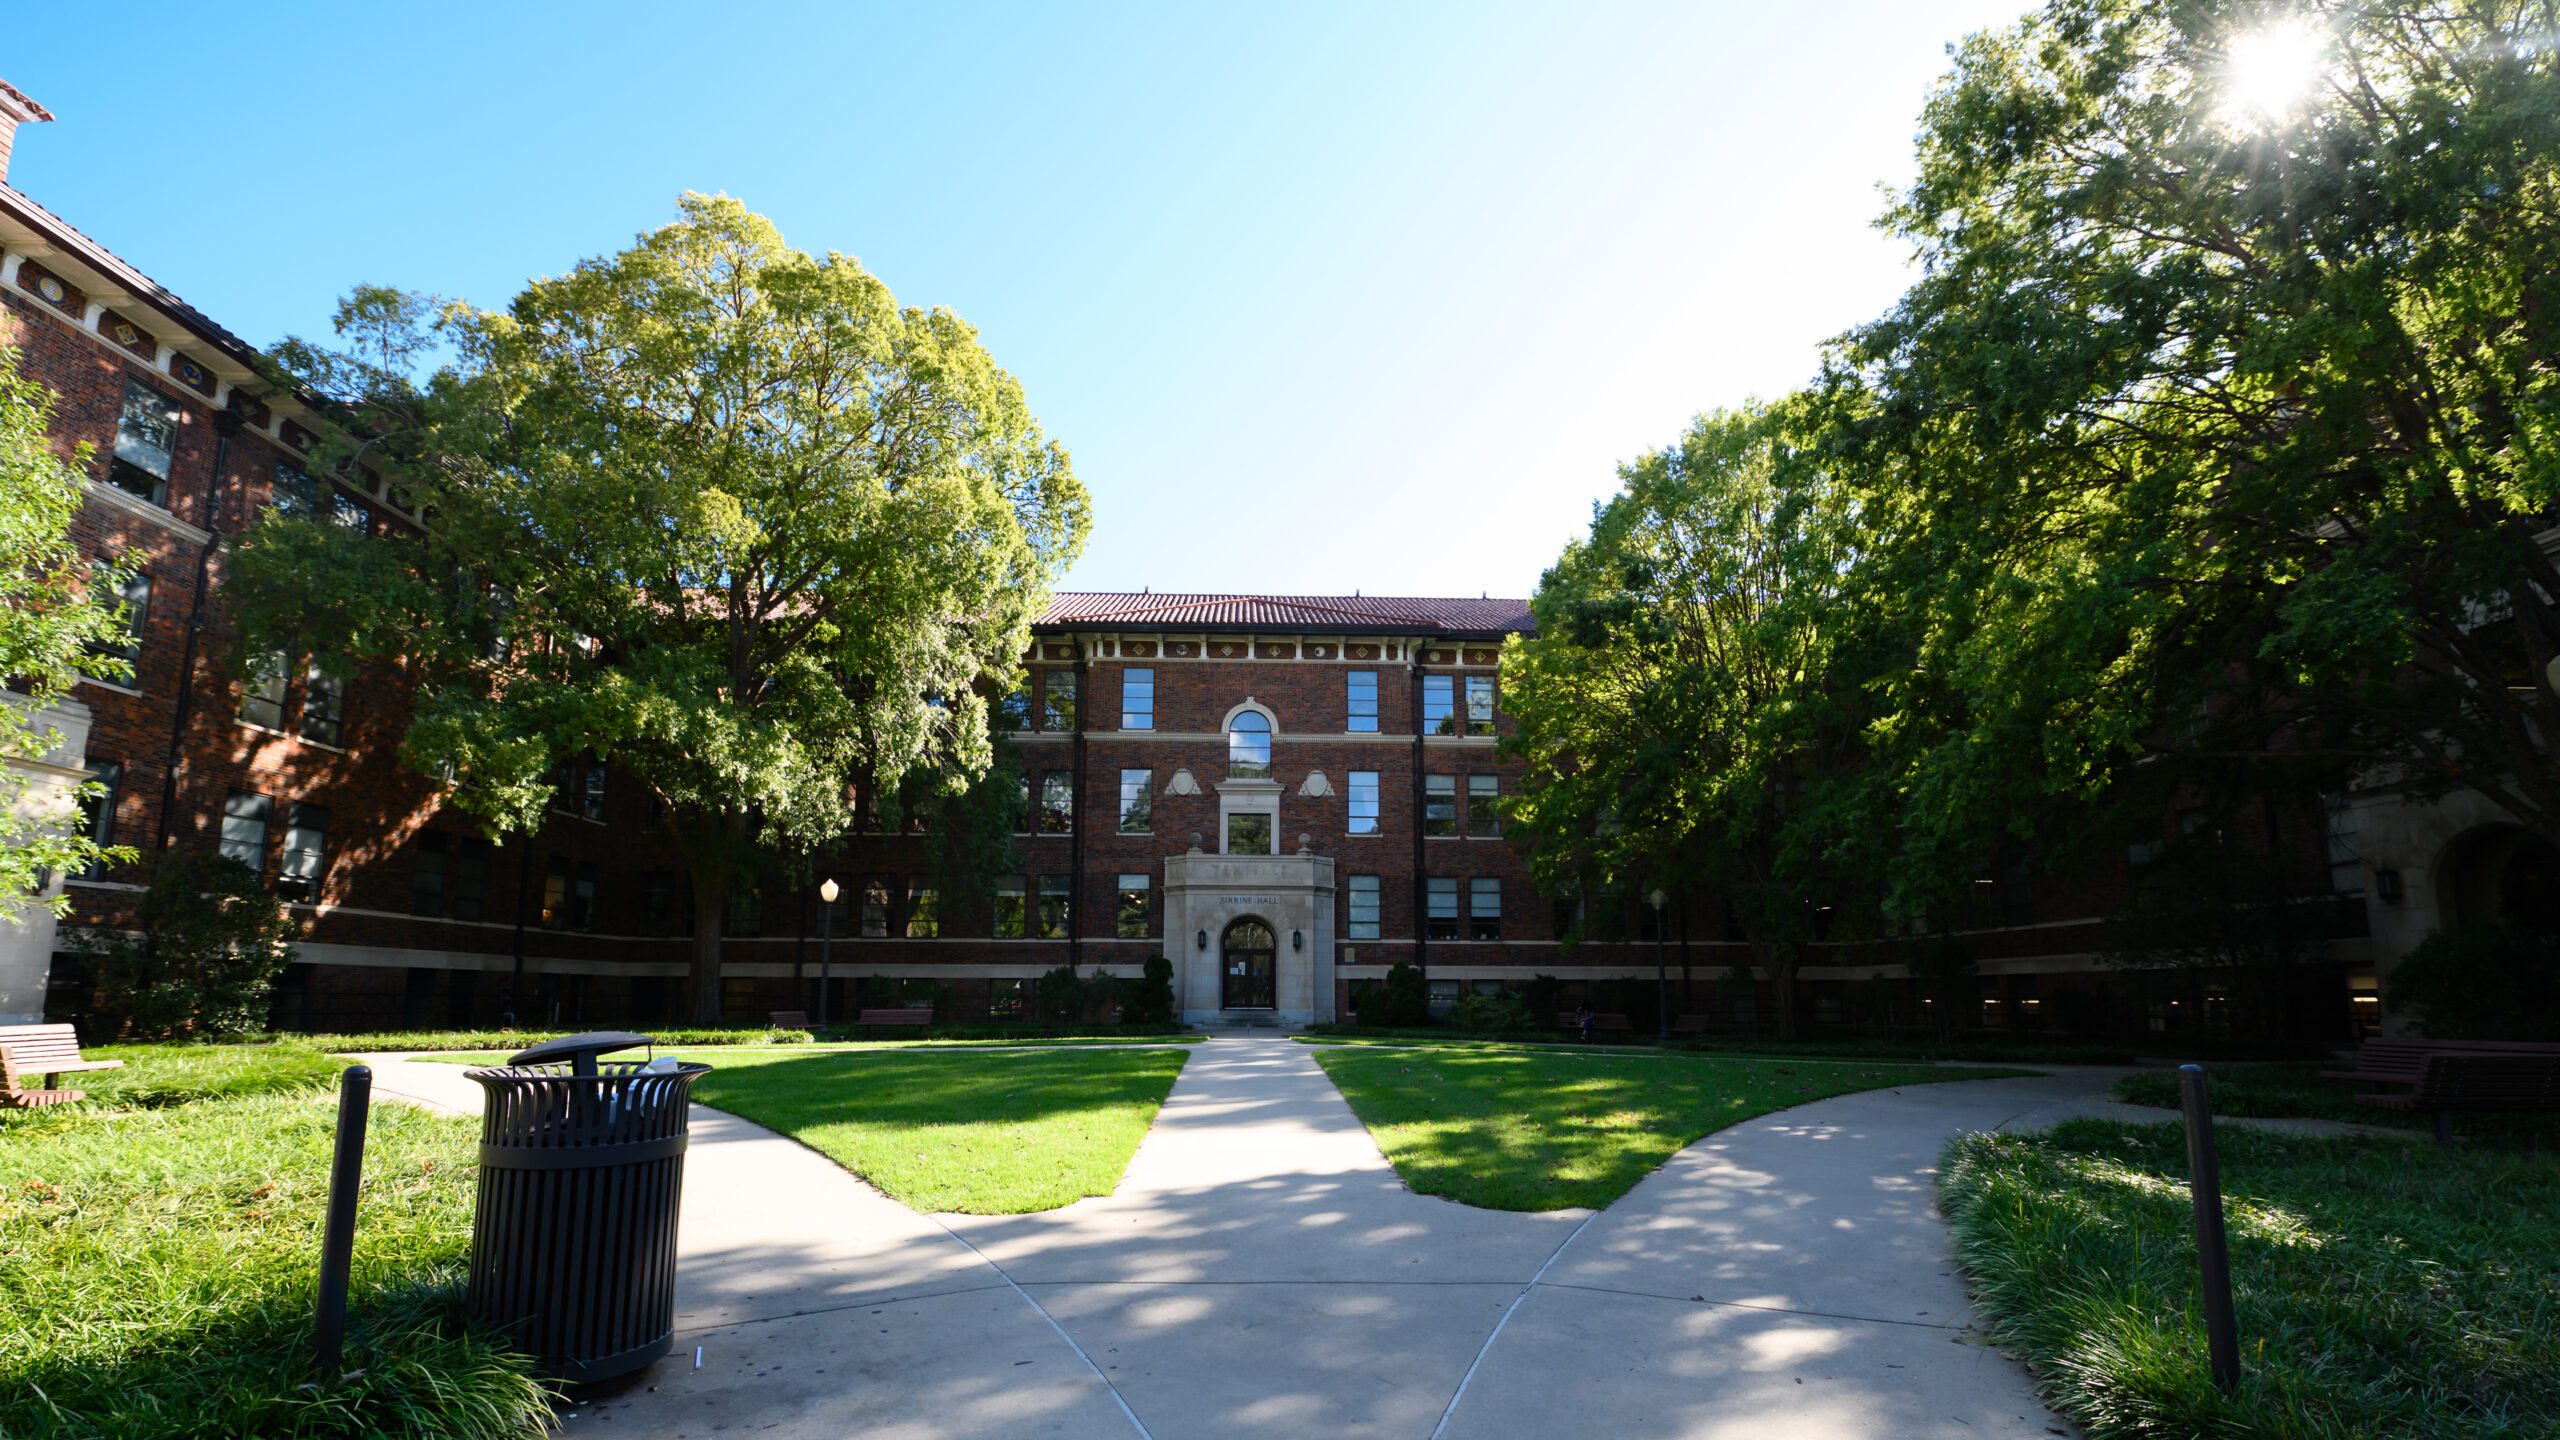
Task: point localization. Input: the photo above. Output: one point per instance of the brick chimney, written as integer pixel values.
(16, 107)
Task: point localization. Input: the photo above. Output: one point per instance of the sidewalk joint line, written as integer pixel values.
(1508, 1311)
(1763, 1309)
(834, 1309)
(1042, 1311)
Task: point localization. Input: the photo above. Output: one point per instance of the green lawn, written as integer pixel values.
(2383, 1287)
(157, 1263)
(983, 1132)
(1535, 1129)
(2296, 1090)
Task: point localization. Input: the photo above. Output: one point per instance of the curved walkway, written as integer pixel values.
(1261, 1271)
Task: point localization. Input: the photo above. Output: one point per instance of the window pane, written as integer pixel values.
(1439, 804)
(591, 792)
(1004, 999)
(1137, 801)
(744, 914)
(1009, 908)
(1015, 709)
(262, 700)
(1055, 893)
(1029, 816)
(1248, 834)
(1439, 705)
(875, 908)
(98, 812)
(1363, 907)
(1440, 908)
(1137, 699)
(1364, 802)
(924, 910)
(555, 897)
(1362, 700)
(146, 436)
(295, 496)
(427, 874)
(582, 897)
(1249, 747)
(1057, 802)
(244, 828)
(133, 592)
(1484, 909)
(1484, 816)
(1479, 704)
(1058, 700)
(1132, 917)
(324, 705)
(306, 838)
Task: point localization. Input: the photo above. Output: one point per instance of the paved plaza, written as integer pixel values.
(1261, 1271)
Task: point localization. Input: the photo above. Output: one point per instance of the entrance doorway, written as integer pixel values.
(1246, 953)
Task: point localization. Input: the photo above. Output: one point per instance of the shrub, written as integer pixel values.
(1403, 1001)
(2480, 984)
(1505, 1012)
(1060, 995)
(1152, 1003)
(206, 945)
(1544, 995)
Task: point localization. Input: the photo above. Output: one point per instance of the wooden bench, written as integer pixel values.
(2475, 1081)
(1567, 1020)
(915, 1018)
(2394, 1060)
(789, 1019)
(52, 1051)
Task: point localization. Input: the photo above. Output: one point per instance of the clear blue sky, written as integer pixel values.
(1320, 297)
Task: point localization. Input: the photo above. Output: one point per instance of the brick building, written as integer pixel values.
(1284, 795)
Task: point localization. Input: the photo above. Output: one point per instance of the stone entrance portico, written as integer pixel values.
(1293, 894)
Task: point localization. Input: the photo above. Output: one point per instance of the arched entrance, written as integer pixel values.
(2500, 875)
(1246, 954)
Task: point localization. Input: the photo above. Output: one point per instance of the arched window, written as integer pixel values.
(1249, 746)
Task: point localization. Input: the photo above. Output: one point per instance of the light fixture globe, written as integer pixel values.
(828, 891)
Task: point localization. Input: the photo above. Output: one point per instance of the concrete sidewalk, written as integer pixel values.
(1261, 1271)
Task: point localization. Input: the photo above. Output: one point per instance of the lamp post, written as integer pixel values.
(827, 891)
(1661, 973)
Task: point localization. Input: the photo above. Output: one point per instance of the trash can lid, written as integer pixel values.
(578, 1047)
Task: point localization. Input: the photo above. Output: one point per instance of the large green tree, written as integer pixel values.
(713, 509)
(2225, 417)
(1685, 708)
(59, 617)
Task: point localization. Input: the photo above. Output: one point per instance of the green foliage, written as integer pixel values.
(2480, 983)
(1062, 995)
(1525, 1129)
(1151, 1001)
(161, 1266)
(981, 1132)
(200, 957)
(1492, 1013)
(513, 1040)
(2215, 437)
(2382, 1287)
(1403, 1000)
(54, 611)
(711, 507)
(1544, 997)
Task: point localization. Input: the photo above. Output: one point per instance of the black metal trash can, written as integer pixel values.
(573, 1247)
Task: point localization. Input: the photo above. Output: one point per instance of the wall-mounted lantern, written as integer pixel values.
(2386, 886)
(1204, 939)
(1297, 939)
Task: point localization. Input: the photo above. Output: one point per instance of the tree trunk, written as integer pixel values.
(710, 902)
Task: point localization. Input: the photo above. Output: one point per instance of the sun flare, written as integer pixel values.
(2269, 71)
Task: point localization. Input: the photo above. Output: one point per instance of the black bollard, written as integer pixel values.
(2213, 1254)
(338, 1233)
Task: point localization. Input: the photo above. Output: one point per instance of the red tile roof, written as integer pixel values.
(1083, 609)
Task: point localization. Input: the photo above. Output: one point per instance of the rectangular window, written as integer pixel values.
(582, 896)
(1137, 699)
(1364, 802)
(924, 909)
(2017, 887)
(1439, 804)
(1361, 701)
(1057, 802)
(591, 791)
(1440, 908)
(658, 908)
(1361, 908)
(1024, 818)
(1137, 802)
(306, 844)
(1015, 708)
(1484, 909)
(1131, 918)
(296, 495)
(1439, 705)
(1479, 704)
(262, 694)
(245, 818)
(1484, 814)
(1058, 700)
(133, 592)
(1056, 893)
(428, 864)
(1009, 908)
(875, 908)
(1249, 835)
(349, 513)
(1004, 999)
(743, 915)
(98, 811)
(324, 706)
(555, 894)
(2346, 859)
(146, 436)
(466, 879)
